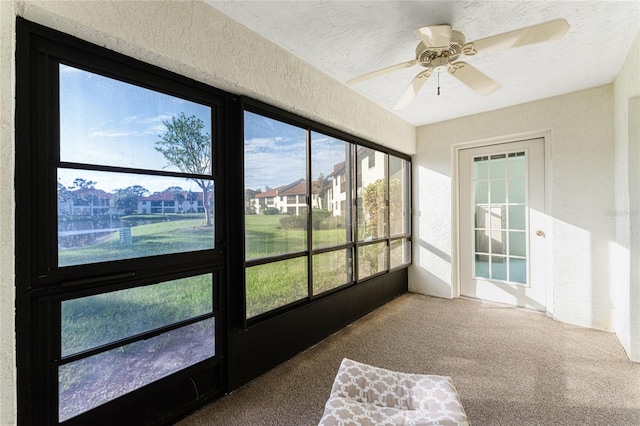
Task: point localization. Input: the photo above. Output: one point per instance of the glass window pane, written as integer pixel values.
(331, 270)
(482, 217)
(498, 192)
(498, 242)
(499, 268)
(481, 168)
(481, 266)
(516, 165)
(265, 235)
(275, 284)
(517, 217)
(483, 241)
(371, 259)
(93, 381)
(400, 253)
(331, 187)
(399, 196)
(372, 194)
(517, 244)
(481, 192)
(498, 166)
(268, 185)
(109, 122)
(499, 217)
(517, 190)
(518, 270)
(92, 321)
(105, 216)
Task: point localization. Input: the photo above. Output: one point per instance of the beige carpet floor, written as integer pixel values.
(510, 366)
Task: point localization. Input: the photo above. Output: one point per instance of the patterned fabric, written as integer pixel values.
(363, 395)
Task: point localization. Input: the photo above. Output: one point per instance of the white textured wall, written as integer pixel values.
(627, 203)
(7, 292)
(192, 39)
(582, 167)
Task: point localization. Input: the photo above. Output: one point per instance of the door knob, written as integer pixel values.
(540, 233)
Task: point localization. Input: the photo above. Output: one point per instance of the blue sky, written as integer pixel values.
(109, 122)
(275, 152)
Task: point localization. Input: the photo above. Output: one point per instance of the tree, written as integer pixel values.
(319, 188)
(178, 197)
(84, 193)
(185, 146)
(374, 199)
(79, 183)
(127, 198)
(64, 197)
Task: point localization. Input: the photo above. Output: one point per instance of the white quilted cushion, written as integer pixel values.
(367, 395)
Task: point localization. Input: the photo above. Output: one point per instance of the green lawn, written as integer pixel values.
(276, 284)
(147, 240)
(91, 321)
(267, 286)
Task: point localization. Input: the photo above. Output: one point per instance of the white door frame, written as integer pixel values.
(455, 207)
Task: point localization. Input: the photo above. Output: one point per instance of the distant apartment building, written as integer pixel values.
(84, 202)
(172, 202)
(331, 194)
(288, 199)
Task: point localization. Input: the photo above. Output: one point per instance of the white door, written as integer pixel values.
(501, 223)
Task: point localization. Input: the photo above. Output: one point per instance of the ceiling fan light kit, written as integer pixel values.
(440, 47)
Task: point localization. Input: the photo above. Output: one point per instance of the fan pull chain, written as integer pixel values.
(438, 83)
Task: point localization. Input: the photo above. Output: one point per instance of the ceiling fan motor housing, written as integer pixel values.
(439, 56)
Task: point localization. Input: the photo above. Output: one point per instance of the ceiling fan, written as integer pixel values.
(440, 48)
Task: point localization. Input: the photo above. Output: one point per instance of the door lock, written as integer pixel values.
(540, 233)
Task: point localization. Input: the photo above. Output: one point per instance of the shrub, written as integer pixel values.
(271, 210)
(294, 222)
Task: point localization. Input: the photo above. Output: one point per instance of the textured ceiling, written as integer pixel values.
(346, 39)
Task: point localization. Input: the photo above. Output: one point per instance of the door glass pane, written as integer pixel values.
(482, 218)
(482, 266)
(517, 217)
(92, 321)
(498, 191)
(517, 243)
(399, 195)
(518, 270)
(330, 189)
(104, 216)
(499, 268)
(331, 270)
(499, 217)
(498, 242)
(481, 192)
(275, 284)
(93, 381)
(371, 186)
(268, 184)
(498, 166)
(516, 165)
(371, 259)
(108, 122)
(481, 168)
(517, 191)
(483, 241)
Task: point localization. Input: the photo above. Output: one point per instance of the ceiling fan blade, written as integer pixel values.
(435, 35)
(383, 71)
(413, 89)
(473, 78)
(547, 31)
